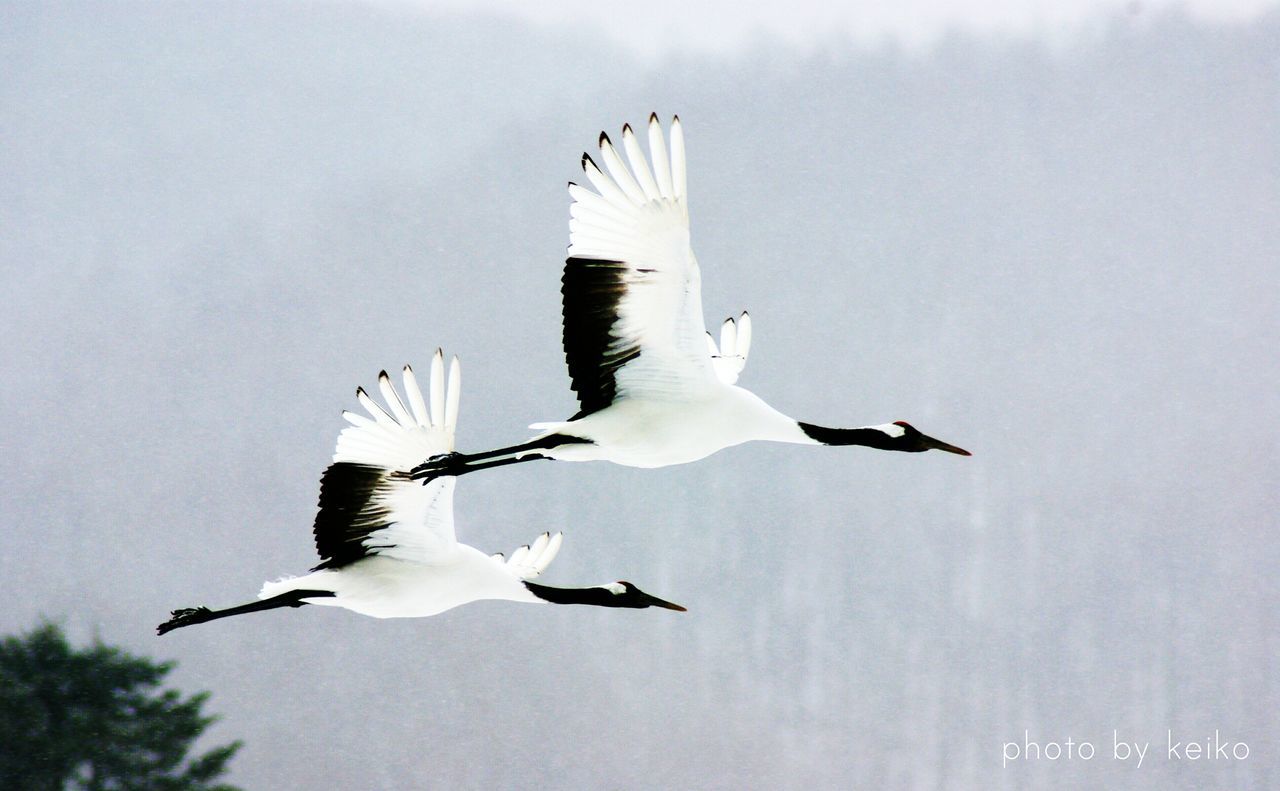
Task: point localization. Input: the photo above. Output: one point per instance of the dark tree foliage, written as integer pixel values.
(96, 718)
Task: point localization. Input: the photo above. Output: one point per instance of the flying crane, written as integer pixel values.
(653, 388)
(387, 544)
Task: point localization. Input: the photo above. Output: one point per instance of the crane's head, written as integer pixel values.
(906, 437)
(624, 594)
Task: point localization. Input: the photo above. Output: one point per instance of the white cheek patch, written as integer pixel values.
(615, 588)
(892, 429)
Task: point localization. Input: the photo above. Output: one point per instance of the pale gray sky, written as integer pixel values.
(218, 220)
(655, 26)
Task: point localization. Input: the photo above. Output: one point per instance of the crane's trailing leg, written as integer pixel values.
(447, 464)
(193, 615)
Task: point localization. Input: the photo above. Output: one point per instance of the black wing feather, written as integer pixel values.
(348, 513)
(592, 289)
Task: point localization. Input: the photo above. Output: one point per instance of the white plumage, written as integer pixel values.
(730, 357)
(414, 565)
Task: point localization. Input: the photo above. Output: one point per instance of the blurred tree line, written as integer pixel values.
(97, 718)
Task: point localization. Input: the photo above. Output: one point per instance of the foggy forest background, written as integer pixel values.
(217, 219)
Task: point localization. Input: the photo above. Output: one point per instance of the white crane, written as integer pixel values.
(649, 393)
(387, 544)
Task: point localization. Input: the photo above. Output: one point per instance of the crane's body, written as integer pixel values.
(390, 588)
(650, 433)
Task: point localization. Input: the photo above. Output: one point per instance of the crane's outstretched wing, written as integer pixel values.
(730, 357)
(632, 291)
(368, 504)
(529, 561)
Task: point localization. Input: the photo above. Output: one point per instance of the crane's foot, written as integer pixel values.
(184, 617)
(438, 466)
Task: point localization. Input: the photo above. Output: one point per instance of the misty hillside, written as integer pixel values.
(219, 220)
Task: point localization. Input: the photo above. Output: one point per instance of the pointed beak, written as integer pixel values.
(937, 444)
(654, 601)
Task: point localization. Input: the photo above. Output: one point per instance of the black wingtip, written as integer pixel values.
(604, 140)
(587, 160)
(653, 118)
(675, 119)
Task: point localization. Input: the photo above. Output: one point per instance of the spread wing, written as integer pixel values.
(530, 560)
(368, 504)
(632, 292)
(730, 357)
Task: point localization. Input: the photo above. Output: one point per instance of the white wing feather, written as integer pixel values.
(641, 218)
(730, 357)
(395, 439)
(529, 561)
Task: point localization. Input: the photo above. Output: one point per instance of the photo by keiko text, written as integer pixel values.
(1213, 747)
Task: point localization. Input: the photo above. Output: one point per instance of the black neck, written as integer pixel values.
(598, 597)
(849, 436)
